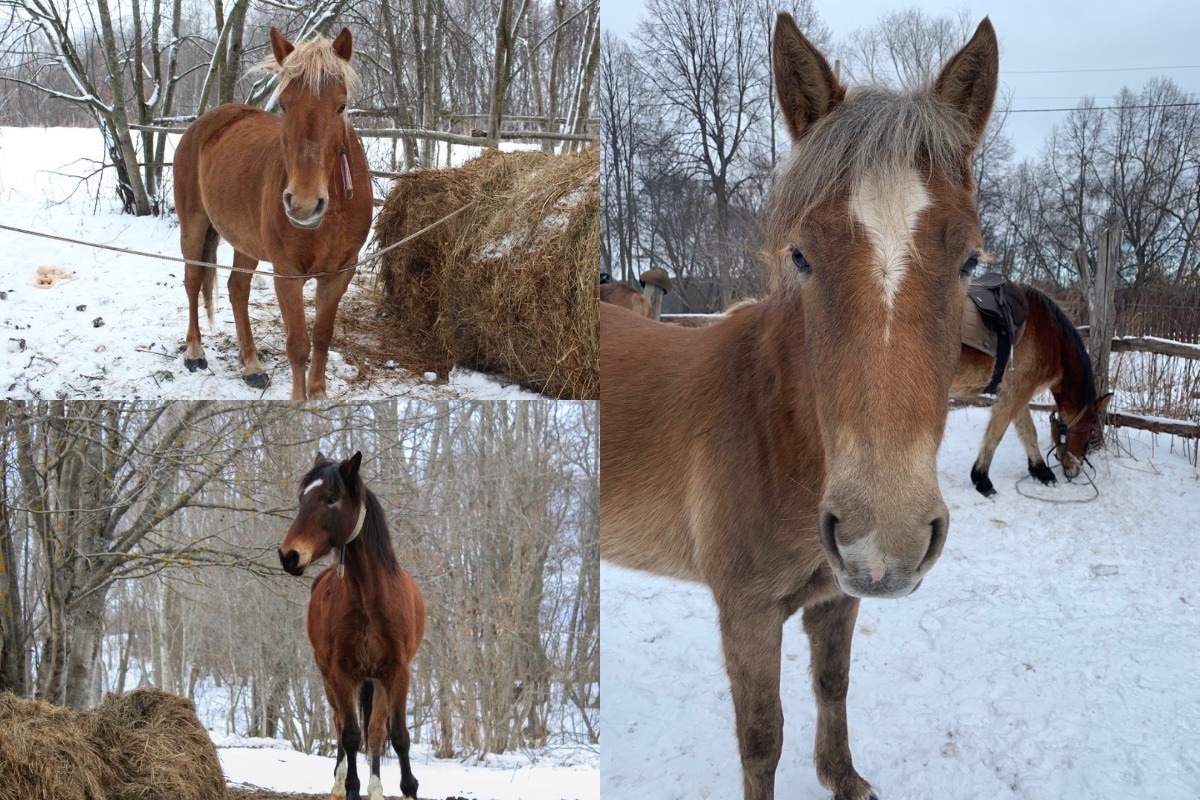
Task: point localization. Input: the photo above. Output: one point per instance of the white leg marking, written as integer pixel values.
(313, 485)
(374, 788)
(888, 210)
(339, 779)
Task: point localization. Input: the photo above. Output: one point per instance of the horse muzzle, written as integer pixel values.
(307, 215)
(291, 562)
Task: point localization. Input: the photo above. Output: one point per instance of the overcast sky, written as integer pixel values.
(1040, 35)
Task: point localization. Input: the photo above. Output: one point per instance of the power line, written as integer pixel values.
(1101, 108)
(1096, 69)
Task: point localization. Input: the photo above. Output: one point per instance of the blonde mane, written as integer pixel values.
(314, 65)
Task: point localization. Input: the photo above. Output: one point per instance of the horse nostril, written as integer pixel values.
(828, 532)
(287, 203)
(937, 537)
(320, 206)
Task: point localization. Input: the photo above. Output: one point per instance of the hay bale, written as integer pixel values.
(140, 745)
(507, 286)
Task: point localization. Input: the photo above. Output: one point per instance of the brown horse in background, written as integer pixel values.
(621, 294)
(795, 461)
(1050, 355)
(278, 189)
(366, 618)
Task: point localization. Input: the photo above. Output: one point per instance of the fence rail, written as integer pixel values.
(423, 133)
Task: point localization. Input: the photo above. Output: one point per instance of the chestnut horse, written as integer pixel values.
(1050, 355)
(795, 461)
(366, 618)
(279, 189)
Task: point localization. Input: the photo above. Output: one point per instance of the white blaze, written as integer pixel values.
(888, 211)
(313, 485)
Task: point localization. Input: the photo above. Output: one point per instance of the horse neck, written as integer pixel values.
(778, 386)
(364, 574)
(1060, 351)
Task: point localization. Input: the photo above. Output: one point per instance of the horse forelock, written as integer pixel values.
(314, 65)
(875, 138)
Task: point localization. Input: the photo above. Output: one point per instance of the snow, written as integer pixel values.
(53, 346)
(1050, 653)
(565, 774)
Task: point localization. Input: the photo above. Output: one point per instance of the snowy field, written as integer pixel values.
(561, 774)
(1051, 653)
(113, 325)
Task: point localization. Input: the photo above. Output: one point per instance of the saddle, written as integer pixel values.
(994, 321)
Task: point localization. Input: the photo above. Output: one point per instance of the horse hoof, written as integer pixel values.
(194, 364)
(1042, 473)
(257, 380)
(987, 490)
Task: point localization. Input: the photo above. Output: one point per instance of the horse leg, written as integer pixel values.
(349, 738)
(374, 701)
(338, 792)
(290, 293)
(752, 639)
(198, 242)
(830, 627)
(329, 294)
(1028, 435)
(399, 731)
(239, 297)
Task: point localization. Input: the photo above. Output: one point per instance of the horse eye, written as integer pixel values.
(968, 267)
(330, 501)
(801, 262)
(341, 108)
(282, 107)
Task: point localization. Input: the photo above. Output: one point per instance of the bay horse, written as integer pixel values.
(795, 463)
(1050, 355)
(366, 618)
(278, 188)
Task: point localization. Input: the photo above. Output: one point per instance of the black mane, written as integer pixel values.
(1073, 337)
(374, 535)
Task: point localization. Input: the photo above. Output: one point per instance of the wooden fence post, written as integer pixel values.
(1099, 286)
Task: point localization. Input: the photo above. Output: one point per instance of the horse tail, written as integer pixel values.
(211, 240)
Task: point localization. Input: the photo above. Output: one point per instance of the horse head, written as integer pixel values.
(333, 507)
(1073, 435)
(315, 82)
(874, 227)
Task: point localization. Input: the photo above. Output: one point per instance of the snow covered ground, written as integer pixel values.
(1051, 653)
(115, 325)
(560, 774)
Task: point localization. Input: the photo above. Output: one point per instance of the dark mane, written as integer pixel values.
(375, 535)
(1076, 341)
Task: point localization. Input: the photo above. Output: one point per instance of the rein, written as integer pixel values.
(362, 516)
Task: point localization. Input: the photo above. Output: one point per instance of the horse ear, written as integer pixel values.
(350, 467)
(320, 459)
(280, 46)
(1102, 402)
(968, 81)
(342, 44)
(806, 86)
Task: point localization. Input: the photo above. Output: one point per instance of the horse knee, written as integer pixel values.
(832, 687)
(298, 346)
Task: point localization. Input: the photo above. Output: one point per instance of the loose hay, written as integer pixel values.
(137, 746)
(507, 286)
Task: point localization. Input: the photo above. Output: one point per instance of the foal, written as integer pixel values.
(366, 618)
(795, 464)
(292, 189)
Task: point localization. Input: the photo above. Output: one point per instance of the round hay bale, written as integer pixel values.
(507, 286)
(136, 746)
(157, 747)
(46, 754)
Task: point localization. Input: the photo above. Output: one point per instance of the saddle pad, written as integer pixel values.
(977, 335)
